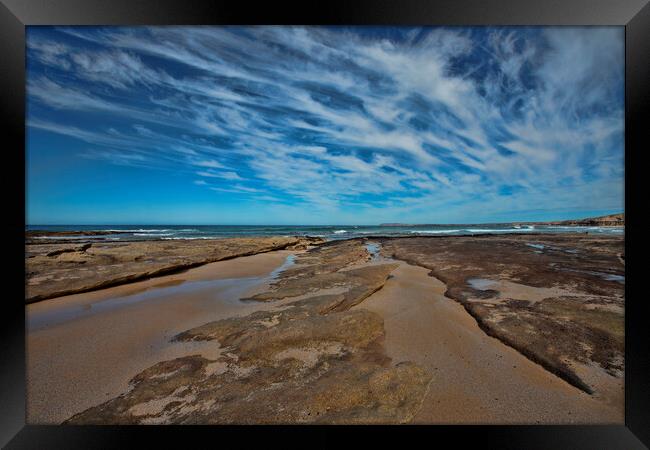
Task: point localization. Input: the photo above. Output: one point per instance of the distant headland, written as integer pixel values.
(611, 220)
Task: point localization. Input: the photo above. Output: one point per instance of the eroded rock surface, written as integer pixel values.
(558, 299)
(54, 270)
(309, 360)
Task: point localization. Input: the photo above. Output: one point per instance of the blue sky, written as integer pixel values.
(323, 125)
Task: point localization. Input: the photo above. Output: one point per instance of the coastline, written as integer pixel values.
(403, 312)
(77, 358)
(59, 269)
(478, 379)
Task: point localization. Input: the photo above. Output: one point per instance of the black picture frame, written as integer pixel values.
(634, 15)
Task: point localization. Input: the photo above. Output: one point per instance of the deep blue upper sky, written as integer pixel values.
(313, 125)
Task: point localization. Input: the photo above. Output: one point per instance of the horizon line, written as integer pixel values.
(315, 225)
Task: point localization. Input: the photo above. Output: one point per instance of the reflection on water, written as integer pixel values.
(604, 275)
(228, 290)
(481, 284)
(612, 277)
(373, 249)
(548, 247)
(288, 262)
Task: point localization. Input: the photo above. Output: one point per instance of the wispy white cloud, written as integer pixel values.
(210, 163)
(224, 175)
(431, 124)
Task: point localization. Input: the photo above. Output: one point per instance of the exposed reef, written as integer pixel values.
(54, 270)
(558, 299)
(310, 360)
(310, 356)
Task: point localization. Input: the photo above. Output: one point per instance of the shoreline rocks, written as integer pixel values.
(557, 299)
(54, 270)
(312, 360)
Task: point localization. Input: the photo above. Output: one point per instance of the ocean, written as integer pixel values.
(329, 232)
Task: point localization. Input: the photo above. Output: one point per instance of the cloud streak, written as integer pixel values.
(419, 124)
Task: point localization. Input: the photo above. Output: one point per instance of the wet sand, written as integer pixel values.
(557, 299)
(309, 359)
(476, 378)
(77, 358)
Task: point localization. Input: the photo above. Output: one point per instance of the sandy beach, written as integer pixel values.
(357, 331)
(477, 379)
(77, 358)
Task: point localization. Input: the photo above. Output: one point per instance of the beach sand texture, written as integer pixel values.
(350, 333)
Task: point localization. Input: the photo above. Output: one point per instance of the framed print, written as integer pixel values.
(381, 219)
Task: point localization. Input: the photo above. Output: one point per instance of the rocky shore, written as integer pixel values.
(311, 361)
(314, 347)
(558, 299)
(31, 234)
(612, 220)
(54, 270)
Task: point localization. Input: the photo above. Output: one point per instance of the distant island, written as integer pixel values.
(611, 220)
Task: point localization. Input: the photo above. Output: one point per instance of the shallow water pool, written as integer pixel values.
(224, 290)
(481, 284)
(373, 249)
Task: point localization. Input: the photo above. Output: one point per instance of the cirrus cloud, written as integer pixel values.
(415, 124)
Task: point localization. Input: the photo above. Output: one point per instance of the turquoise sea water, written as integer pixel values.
(141, 232)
